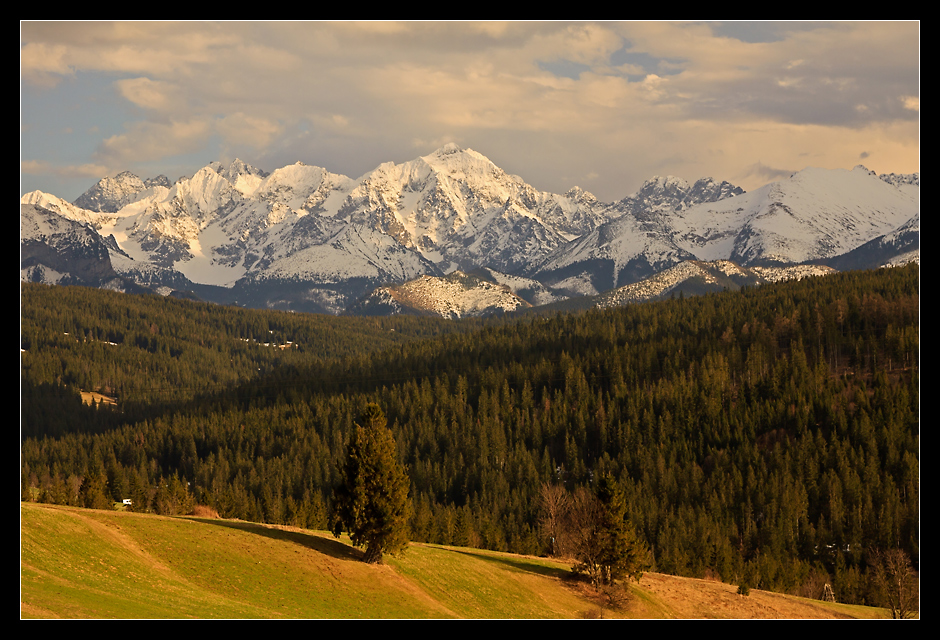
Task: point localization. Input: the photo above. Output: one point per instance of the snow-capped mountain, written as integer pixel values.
(57, 250)
(637, 242)
(240, 228)
(459, 210)
(302, 237)
(111, 194)
(895, 248)
(815, 215)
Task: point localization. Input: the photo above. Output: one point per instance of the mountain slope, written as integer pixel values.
(58, 250)
(694, 277)
(636, 243)
(456, 295)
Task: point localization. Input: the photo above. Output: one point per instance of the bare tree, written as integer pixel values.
(895, 583)
(583, 526)
(554, 511)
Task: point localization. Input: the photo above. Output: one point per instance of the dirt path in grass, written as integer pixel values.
(111, 530)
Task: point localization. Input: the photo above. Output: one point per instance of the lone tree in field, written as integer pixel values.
(604, 544)
(372, 502)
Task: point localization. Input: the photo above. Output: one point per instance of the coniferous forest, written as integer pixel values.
(768, 436)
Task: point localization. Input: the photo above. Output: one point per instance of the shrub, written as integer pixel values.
(202, 511)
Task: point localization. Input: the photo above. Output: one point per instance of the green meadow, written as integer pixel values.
(84, 563)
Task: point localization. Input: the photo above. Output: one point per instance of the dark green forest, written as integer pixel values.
(767, 436)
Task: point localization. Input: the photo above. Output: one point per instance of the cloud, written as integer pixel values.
(240, 129)
(34, 167)
(38, 167)
(149, 141)
(143, 48)
(147, 93)
(44, 64)
(816, 73)
(764, 174)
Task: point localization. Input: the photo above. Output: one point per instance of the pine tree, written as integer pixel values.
(620, 550)
(93, 492)
(372, 502)
(604, 543)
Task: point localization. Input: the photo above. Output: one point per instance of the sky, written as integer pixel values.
(600, 105)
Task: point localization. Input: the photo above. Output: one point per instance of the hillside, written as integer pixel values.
(83, 563)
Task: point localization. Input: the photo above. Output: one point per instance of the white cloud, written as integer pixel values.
(38, 167)
(44, 64)
(147, 93)
(149, 141)
(240, 129)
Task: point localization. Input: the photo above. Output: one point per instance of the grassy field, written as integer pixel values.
(78, 563)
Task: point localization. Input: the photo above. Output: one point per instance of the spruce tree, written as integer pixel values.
(372, 501)
(620, 551)
(604, 543)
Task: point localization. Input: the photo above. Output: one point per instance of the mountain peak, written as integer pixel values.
(580, 195)
(666, 181)
(108, 195)
(448, 149)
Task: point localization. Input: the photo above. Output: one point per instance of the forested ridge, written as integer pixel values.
(767, 436)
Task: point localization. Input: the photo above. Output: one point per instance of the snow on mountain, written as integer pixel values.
(895, 248)
(814, 214)
(532, 291)
(903, 259)
(459, 210)
(795, 272)
(355, 252)
(456, 295)
(110, 194)
(58, 250)
(637, 242)
(656, 286)
(450, 209)
(908, 182)
(65, 209)
(694, 277)
(665, 195)
(241, 175)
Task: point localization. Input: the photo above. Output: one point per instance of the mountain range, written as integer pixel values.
(448, 233)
